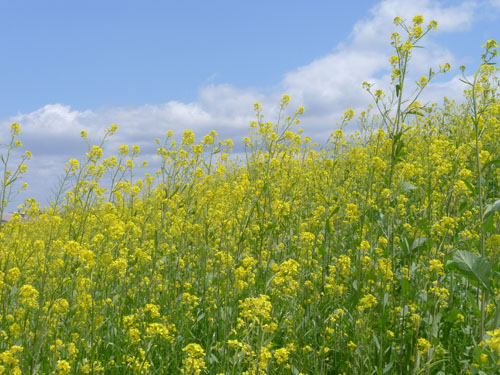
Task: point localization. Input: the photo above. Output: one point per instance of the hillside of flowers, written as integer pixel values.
(375, 252)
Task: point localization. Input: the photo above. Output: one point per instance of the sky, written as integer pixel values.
(151, 66)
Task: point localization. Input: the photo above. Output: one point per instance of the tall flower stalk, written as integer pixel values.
(480, 98)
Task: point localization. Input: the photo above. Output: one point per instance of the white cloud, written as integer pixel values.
(53, 118)
(325, 87)
(495, 4)
(329, 85)
(452, 18)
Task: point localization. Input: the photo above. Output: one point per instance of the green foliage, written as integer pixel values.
(474, 267)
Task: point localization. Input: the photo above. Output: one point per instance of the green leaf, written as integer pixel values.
(388, 367)
(212, 359)
(397, 137)
(417, 242)
(490, 208)
(321, 250)
(407, 186)
(414, 112)
(200, 317)
(405, 285)
(435, 325)
(474, 267)
(495, 162)
(470, 187)
(375, 340)
(496, 319)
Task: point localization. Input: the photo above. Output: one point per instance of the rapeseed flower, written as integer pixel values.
(366, 302)
(231, 265)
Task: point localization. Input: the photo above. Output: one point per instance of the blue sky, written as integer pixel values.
(89, 54)
(150, 66)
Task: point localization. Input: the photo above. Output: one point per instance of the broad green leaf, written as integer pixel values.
(490, 208)
(200, 317)
(388, 367)
(212, 358)
(407, 186)
(417, 242)
(474, 267)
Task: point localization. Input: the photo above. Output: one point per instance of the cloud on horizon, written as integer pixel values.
(325, 87)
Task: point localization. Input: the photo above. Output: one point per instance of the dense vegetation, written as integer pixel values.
(376, 252)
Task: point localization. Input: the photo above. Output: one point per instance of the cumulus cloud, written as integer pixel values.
(325, 87)
(366, 33)
(496, 4)
(332, 83)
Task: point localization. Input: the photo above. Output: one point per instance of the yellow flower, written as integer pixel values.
(494, 341)
(285, 277)
(366, 302)
(188, 137)
(348, 114)
(60, 306)
(63, 367)
(365, 245)
(281, 355)
(423, 345)
(422, 81)
(285, 99)
(28, 296)
(194, 363)
(123, 149)
(253, 308)
(95, 153)
(208, 139)
(12, 275)
(436, 265)
(417, 31)
(15, 129)
(493, 244)
(152, 309)
(398, 20)
(490, 44)
(432, 25)
(159, 329)
(394, 60)
(418, 19)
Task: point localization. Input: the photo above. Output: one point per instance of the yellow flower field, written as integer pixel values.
(376, 252)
